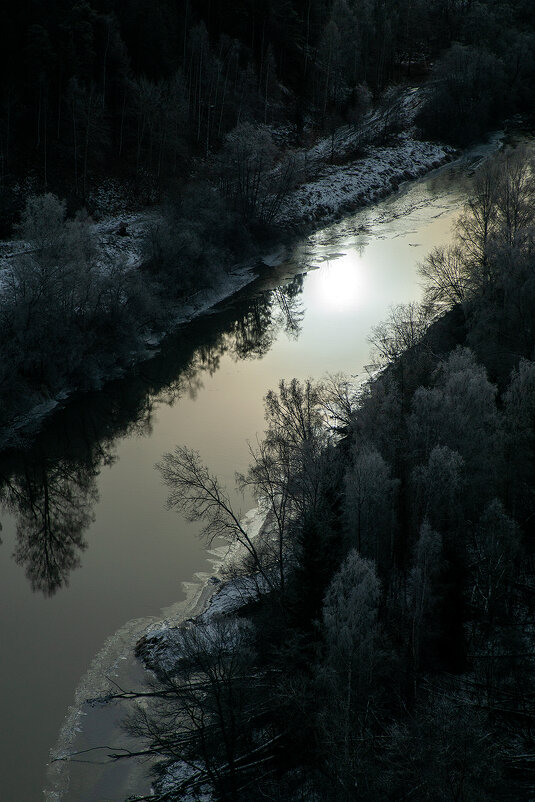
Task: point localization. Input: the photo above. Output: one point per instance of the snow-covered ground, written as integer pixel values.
(351, 168)
(159, 647)
(338, 189)
(329, 191)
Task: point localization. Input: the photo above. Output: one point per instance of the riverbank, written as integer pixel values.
(332, 191)
(160, 649)
(338, 190)
(140, 646)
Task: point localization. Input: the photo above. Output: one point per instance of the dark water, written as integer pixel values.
(90, 555)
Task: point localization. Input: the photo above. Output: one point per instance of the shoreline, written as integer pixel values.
(214, 597)
(119, 661)
(342, 189)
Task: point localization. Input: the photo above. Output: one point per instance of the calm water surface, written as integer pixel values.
(89, 552)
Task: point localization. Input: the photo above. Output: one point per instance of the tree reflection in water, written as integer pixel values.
(281, 309)
(51, 489)
(54, 507)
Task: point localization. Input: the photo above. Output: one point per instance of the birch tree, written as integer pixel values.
(351, 636)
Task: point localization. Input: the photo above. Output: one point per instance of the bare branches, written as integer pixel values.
(446, 277)
(198, 494)
(203, 715)
(402, 330)
(294, 413)
(286, 475)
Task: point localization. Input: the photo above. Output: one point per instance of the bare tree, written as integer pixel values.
(253, 174)
(200, 720)
(477, 222)
(286, 475)
(402, 330)
(200, 496)
(515, 195)
(500, 210)
(446, 277)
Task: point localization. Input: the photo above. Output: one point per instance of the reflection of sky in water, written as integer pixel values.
(138, 553)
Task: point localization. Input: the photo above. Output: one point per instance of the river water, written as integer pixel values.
(90, 555)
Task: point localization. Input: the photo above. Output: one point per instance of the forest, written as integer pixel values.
(129, 95)
(382, 646)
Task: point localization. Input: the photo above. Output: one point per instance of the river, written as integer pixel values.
(90, 554)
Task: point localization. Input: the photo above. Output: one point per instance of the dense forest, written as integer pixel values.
(384, 647)
(122, 93)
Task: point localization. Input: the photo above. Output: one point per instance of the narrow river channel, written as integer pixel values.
(88, 544)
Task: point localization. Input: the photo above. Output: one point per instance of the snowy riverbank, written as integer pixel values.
(88, 724)
(338, 190)
(160, 648)
(331, 191)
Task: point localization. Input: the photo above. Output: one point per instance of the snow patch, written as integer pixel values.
(341, 188)
(275, 258)
(207, 600)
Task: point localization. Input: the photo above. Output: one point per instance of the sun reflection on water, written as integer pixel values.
(340, 284)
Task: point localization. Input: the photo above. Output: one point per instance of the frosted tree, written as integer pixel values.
(459, 411)
(369, 505)
(494, 549)
(350, 626)
(438, 484)
(42, 226)
(378, 417)
(351, 635)
(53, 289)
(519, 421)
